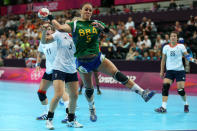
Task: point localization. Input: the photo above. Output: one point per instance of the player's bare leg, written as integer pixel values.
(65, 99)
(97, 82)
(58, 88)
(89, 94)
(165, 91)
(73, 96)
(44, 85)
(182, 93)
(107, 67)
(81, 87)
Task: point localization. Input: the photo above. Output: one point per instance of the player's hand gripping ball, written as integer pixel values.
(43, 13)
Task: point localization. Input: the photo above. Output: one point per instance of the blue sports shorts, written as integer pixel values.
(85, 65)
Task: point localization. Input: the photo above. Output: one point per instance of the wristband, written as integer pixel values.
(189, 58)
(50, 17)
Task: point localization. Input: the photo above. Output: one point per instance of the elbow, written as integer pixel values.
(60, 28)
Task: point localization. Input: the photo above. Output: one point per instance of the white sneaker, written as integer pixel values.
(49, 125)
(74, 124)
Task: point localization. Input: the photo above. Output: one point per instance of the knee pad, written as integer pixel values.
(121, 77)
(89, 92)
(181, 92)
(165, 89)
(42, 95)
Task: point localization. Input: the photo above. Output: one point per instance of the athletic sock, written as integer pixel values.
(45, 108)
(66, 104)
(50, 116)
(185, 103)
(164, 105)
(136, 88)
(71, 117)
(91, 105)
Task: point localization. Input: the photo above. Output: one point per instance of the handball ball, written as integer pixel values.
(43, 13)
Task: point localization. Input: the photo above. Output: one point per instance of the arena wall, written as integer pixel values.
(149, 80)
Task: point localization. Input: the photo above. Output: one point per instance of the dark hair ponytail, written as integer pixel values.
(85, 3)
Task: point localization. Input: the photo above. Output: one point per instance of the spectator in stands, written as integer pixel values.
(131, 54)
(172, 5)
(147, 42)
(157, 55)
(125, 43)
(166, 40)
(151, 25)
(112, 10)
(142, 49)
(158, 43)
(177, 27)
(1, 60)
(155, 7)
(152, 54)
(96, 11)
(112, 25)
(125, 9)
(131, 8)
(130, 23)
(116, 37)
(133, 31)
(146, 56)
(193, 42)
(191, 20)
(120, 27)
(144, 22)
(128, 35)
(139, 41)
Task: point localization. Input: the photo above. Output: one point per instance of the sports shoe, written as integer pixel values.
(147, 95)
(93, 116)
(65, 120)
(42, 117)
(98, 92)
(49, 125)
(186, 108)
(74, 124)
(161, 110)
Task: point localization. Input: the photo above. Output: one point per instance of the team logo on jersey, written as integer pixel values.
(82, 69)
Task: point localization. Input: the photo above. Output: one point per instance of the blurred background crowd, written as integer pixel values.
(20, 34)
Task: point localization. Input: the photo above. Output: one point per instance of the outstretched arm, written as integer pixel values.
(38, 61)
(58, 26)
(46, 38)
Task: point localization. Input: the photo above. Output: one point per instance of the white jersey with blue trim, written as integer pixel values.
(50, 51)
(65, 60)
(174, 56)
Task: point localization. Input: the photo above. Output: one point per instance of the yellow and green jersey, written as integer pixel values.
(85, 37)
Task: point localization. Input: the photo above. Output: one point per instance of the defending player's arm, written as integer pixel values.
(58, 26)
(163, 62)
(38, 61)
(190, 58)
(46, 38)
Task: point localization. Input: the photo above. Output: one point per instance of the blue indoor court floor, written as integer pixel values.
(116, 110)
